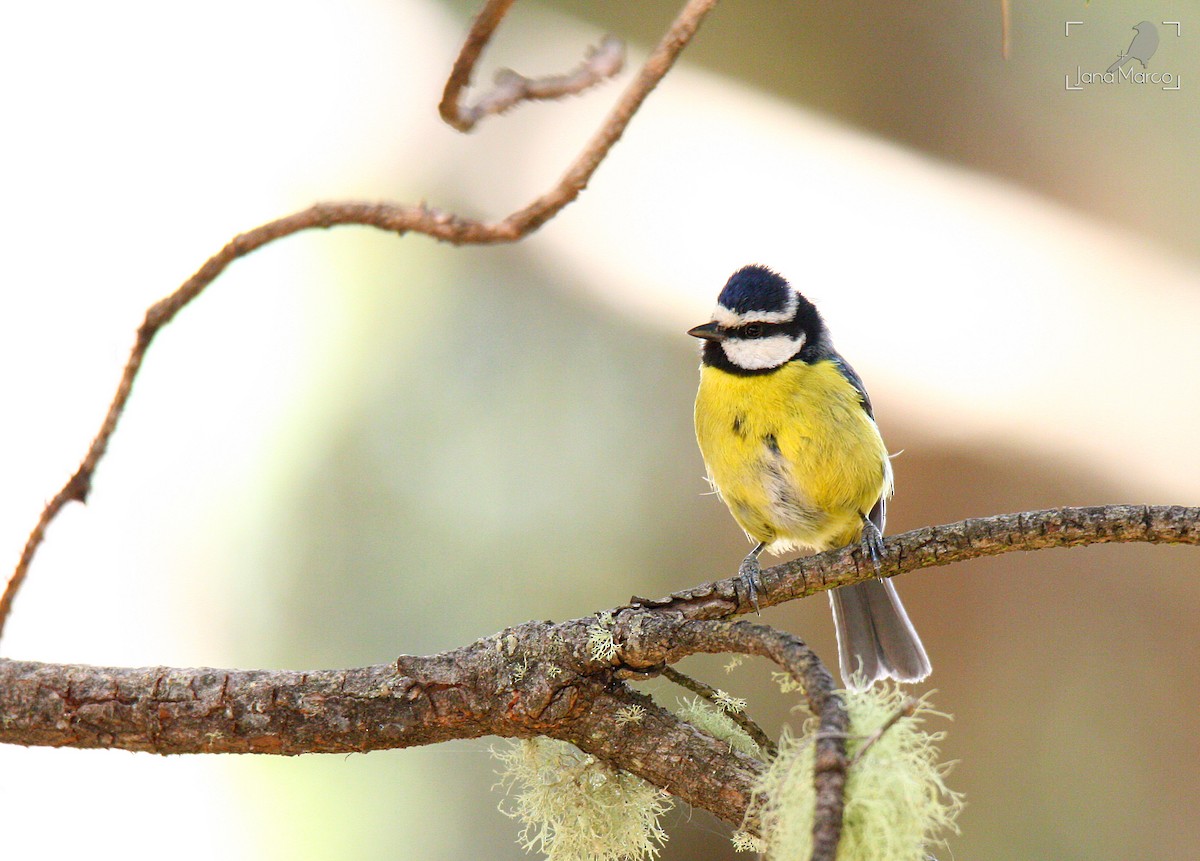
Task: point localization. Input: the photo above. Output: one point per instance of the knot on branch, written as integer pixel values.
(80, 485)
(642, 635)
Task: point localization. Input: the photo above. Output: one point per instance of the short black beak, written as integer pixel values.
(709, 332)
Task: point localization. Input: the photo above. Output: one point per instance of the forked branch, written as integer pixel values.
(511, 88)
(538, 678)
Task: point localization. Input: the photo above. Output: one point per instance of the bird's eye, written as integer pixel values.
(752, 330)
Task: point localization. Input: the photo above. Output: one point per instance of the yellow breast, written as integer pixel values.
(793, 453)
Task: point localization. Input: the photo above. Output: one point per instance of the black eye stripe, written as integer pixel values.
(759, 330)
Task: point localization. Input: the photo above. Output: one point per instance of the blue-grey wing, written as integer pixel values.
(855, 380)
(878, 514)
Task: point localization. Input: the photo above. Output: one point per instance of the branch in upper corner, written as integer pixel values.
(385, 216)
(478, 36)
(511, 88)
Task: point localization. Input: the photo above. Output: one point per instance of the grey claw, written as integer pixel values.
(749, 571)
(872, 543)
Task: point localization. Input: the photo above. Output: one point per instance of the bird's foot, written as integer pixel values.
(749, 572)
(872, 543)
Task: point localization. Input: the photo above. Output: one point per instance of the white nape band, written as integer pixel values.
(729, 319)
(755, 354)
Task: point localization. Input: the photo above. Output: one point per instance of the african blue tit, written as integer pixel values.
(790, 443)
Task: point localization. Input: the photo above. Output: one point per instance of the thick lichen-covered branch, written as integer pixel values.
(534, 679)
(540, 678)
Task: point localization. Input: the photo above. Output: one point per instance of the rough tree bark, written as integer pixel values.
(539, 678)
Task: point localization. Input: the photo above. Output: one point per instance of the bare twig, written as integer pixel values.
(677, 37)
(384, 216)
(478, 36)
(511, 88)
(713, 695)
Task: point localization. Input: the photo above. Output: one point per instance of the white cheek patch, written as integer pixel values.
(754, 354)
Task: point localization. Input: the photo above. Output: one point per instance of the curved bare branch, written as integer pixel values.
(384, 216)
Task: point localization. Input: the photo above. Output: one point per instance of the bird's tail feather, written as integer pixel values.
(875, 638)
(1118, 63)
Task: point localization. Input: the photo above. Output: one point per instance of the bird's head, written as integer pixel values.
(760, 323)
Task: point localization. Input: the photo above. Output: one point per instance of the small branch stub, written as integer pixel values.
(512, 88)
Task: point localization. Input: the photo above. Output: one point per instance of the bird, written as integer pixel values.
(1142, 48)
(788, 437)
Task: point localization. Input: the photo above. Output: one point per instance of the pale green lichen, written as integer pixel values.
(729, 703)
(717, 723)
(600, 639)
(743, 841)
(897, 802)
(631, 714)
(519, 671)
(786, 681)
(573, 807)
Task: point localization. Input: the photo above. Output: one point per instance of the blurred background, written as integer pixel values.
(355, 445)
